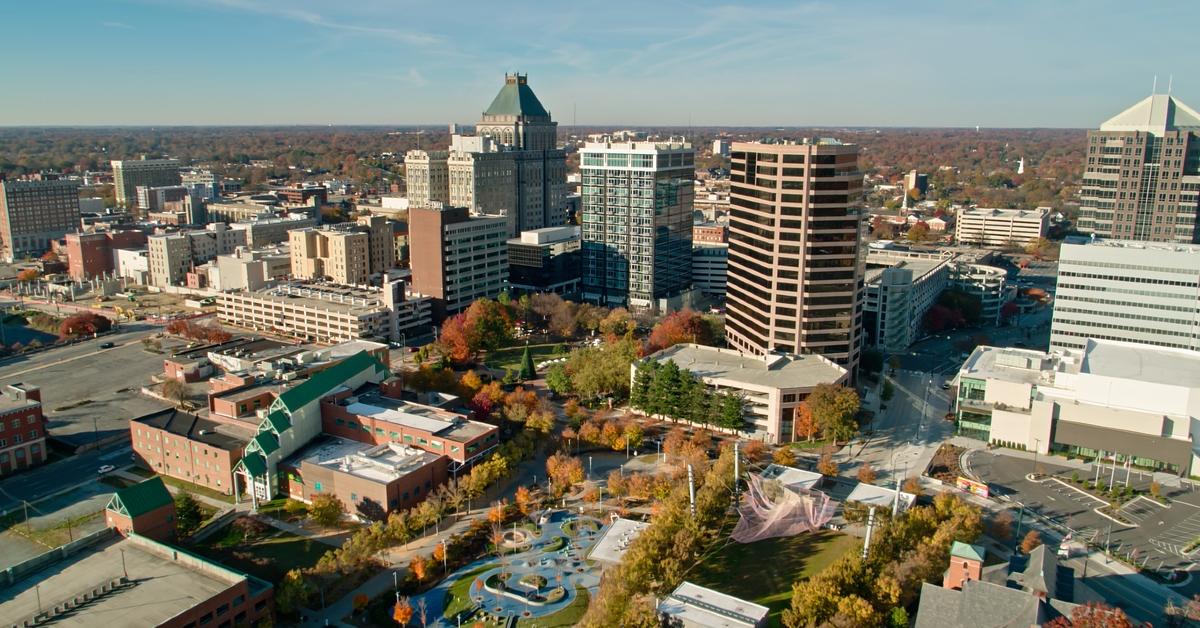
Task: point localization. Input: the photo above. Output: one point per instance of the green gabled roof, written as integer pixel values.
(265, 442)
(967, 551)
(277, 421)
(255, 464)
(324, 381)
(141, 498)
(516, 99)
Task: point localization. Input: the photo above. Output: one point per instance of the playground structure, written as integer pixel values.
(770, 508)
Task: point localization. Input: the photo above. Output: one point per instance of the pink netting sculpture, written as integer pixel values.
(770, 509)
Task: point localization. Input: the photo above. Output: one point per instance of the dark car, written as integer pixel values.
(107, 345)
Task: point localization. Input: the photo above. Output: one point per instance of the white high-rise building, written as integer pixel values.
(1143, 292)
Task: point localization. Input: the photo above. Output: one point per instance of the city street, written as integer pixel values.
(905, 434)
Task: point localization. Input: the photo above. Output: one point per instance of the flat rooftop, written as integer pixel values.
(792, 477)
(226, 436)
(164, 587)
(919, 267)
(776, 370)
(378, 463)
(694, 605)
(1133, 245)
(992, 212)
(253, 390)
(615, 540)
(346, 349)
(323, 296)
(1022, 366)
(367, 401)
(1143, 363)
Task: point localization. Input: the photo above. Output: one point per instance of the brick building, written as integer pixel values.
(192, 448)
(22, 428)
(370, 480)
(145, 508)
(91, 254)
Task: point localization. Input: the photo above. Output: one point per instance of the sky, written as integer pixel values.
(1015, 63)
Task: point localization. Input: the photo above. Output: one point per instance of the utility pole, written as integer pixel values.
(1037, 443)
(1020, 520)
(870, 529)
(736, 460)
(691, 491)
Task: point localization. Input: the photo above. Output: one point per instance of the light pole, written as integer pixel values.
(1037, 444)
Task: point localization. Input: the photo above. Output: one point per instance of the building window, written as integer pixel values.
(317, 486)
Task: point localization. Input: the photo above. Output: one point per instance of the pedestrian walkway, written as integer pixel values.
(332, 540)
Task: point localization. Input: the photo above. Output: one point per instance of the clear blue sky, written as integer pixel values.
(839, 62)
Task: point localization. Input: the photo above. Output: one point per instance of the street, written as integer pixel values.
(902, 438)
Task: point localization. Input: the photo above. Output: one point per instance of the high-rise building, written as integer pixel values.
(346, 253)
(34, 213)
(510, 167)
(128, 174)
(637, 222)
(545, 260)
(456, 257)
(720, 147)
(795, 279)
(1142, 178)
(1142, 292)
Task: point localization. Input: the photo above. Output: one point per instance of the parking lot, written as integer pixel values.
(90, 393)
(1155, 538)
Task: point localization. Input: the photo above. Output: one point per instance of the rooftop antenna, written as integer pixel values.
(1153, 91)
(1170, 83)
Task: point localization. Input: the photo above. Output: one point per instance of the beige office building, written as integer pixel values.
(795, 278)
(328, 313)
(981, 226)
(172, 255)
(457, 258)
(128, 174)
(1142, 177)
(347, 253)
(35, 213)
(426, 176)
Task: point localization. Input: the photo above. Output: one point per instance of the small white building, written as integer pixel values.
(693, 606)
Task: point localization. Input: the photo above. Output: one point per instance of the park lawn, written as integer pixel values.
(458, 596)
(763, 572)
(504, 359)
(268, 557)
(568, 616)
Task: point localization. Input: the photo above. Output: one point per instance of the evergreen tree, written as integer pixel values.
(664, 390)
(732, 410)
(527, 369)
(639, 393)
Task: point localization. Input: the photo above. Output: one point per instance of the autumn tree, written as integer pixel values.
(827, 466)
(866, 473)
(835, 410)
(680, 326)
(488, 325)
(175, 390)
(1000, 526)
(564, 472)
(326, 510)
(83, 324)
(188, 515)
(419, 568)
(1094, 615)
(805, 423)
(402, 612)
(784, 456)
(454, 339)
(1031, 541)
(29, 274)
(754, 451)
(524, 500)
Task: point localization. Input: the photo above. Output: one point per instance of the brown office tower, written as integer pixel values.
(1142, 179)
(795, 272)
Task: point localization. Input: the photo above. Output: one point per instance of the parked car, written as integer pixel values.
(945, 385)
(107, 345)
(108, 468)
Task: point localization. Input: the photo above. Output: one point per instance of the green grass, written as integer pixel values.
(458, 597)
(568, 616)
(196, 489)
(268, 557)
(815, 444)
(763, 572)
(504, 359)
(554, 545)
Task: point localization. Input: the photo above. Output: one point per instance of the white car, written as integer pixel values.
(108, 468)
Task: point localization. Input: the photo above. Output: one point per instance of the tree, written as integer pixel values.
(826, 466)
(680, 326)
(617, 323)
(175, 390)
(866, 473)
(784, 456)
(360, 602)
(834, 408)
(754, 451)
(293, 591)
(471, 382)
(29, 274)
(732, 410)
(83, 324)
(326, 510)
(294, 507)
(488, 325)
(524, 500)
(454, 339)
(402, 612)
(806, 425)
(871, 361)
(419, 567)
(1031, 541)
(918, 232)
(557, 379)
(912, 486)
(1000, 527)
(188, 514)
(1094, 615)
(527, 367)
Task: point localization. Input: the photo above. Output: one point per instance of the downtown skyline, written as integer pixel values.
(264, 62)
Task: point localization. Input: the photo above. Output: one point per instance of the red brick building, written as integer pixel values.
(371, 480)
(710, 232)
(91, 254)
(189, 447)
(22, 428)
(146, 508)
